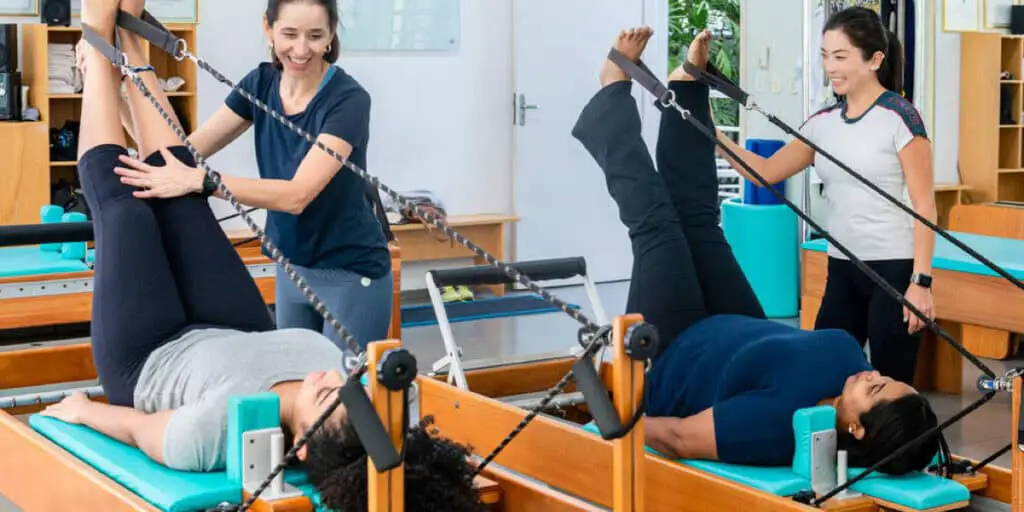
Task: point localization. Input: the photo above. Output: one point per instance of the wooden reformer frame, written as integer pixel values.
(579, 471)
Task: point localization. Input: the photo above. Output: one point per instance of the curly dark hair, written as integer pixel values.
(890, 425)
(438, 475)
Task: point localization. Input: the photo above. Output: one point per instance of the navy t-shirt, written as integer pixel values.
(338, 228)
(755, 374)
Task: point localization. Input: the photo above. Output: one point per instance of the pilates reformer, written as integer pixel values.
(617, 424)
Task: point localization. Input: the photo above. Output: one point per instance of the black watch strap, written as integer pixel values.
(209, 186)
(923, 280)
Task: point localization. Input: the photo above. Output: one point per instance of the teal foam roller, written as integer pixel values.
(73, 250)
(764, 239)
(50, 214)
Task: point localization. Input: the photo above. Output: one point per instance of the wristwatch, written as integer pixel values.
(923, 280)
(209, 186)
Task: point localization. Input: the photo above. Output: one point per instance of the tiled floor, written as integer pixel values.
(980, 434)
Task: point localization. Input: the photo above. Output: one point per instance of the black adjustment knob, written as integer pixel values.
(642, 341)
(396, 369)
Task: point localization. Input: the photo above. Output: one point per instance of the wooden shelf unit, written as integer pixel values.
(991, 148)
(55, 109)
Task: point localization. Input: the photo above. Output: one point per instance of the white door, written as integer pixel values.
(560, 194)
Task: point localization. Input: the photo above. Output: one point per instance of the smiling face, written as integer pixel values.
(318, 391)
(845, 65)
(862, 392)
(301, 34)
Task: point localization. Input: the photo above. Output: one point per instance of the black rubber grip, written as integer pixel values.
(538, 270)
(55, 233)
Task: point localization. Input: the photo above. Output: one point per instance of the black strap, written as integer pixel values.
(150, 29)
(113, 52)
(640, 73)
(714, 79)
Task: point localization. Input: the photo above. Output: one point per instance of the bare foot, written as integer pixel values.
(698, 54)
(630, 43)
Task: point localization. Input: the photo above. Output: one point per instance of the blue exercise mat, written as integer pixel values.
(479, 309)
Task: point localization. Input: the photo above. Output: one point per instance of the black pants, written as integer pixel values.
(683, 269)
(163, 267)
(854, 303)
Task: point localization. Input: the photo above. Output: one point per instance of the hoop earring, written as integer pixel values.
(328, 50)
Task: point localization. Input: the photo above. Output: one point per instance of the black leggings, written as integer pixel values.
(163, 267)
(683, 268)
(854, 303)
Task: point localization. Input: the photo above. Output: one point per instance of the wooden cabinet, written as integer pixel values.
(26, 179)
(992, 117)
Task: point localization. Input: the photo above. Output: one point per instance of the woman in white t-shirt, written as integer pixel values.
(879, 134)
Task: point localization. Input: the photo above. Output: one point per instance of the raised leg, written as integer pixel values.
(136, 307)
(215, 286)
(152, 132)
(664, 287)
(686, 161)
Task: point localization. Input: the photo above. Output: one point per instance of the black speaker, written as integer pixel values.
(1017, 20)
(8, 48)
(56, 12)
(10, 96)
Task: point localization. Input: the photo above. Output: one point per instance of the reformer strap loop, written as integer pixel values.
(112, 53)
(714, 78)
(643, 75)
(153, 31)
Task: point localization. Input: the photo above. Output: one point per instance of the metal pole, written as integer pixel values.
(47, 398)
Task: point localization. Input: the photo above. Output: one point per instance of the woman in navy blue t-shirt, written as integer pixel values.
(319, 213)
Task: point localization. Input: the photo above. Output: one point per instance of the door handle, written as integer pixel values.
(523, 107)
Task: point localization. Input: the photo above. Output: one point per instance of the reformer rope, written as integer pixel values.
(589, 351)
(666, 99)
(151, 30)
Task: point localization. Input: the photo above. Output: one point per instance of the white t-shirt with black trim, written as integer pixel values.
(861, 219)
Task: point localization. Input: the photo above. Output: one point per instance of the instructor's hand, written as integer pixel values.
(921, 298)
(172, 180)
(72, 409)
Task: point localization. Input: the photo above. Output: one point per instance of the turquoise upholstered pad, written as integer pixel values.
(916, 490)
(775, 480)
(805, 422)
(1008, 253)
(165, 488)
(30, 260)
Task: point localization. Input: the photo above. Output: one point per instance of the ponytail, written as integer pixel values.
(890, 75)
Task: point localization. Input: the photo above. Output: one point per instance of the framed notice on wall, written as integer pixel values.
(399, 25)
(19, 7)
(961, 15)
(167, 11)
